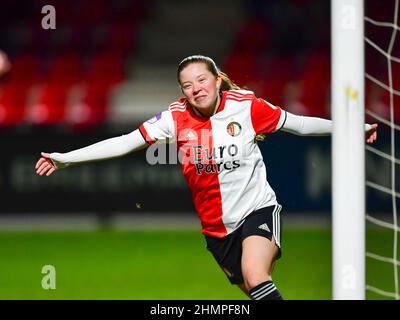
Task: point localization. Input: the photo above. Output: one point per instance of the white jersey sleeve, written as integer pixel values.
(106, 149)
(160, 128)
(307, 126)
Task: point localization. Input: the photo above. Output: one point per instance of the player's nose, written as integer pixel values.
(196, 89)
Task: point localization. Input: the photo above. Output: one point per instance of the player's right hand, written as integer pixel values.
(45, 164)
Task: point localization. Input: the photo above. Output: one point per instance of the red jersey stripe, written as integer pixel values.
(239, 100)
(182, 106)
(177, 109)
(205, 187)
(240, 95)
(146, 135)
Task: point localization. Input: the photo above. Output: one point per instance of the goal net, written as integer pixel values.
(382, 96)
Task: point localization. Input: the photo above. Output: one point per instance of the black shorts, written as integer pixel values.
(265, 222)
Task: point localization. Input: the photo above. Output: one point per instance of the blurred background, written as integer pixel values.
(110, 65)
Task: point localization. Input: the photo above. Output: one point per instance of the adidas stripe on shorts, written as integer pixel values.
(265, 222)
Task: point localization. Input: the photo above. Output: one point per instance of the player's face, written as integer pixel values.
(200, 86)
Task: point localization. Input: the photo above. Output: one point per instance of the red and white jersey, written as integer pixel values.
(221, 161)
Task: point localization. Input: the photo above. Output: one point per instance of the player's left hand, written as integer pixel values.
(371, 134)
(45, 164)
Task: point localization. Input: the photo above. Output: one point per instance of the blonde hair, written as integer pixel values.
(226, 84)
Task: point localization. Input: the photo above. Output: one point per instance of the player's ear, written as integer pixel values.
(219, 82)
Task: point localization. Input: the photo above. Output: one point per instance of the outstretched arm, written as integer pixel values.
(106, 149)
(313, 126)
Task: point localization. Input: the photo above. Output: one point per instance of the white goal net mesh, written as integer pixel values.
(382, 79)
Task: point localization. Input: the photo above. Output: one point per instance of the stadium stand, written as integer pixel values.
(102, 66)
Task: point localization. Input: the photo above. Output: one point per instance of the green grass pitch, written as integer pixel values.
(163, 265)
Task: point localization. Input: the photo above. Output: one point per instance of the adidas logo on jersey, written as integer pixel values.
(264, 226)
(191, 136)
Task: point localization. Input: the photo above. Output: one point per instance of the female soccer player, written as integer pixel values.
(216, 127)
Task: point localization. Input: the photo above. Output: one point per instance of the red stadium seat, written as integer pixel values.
(315, 97)
(25, 69)
(318, 62)
(50, 107)
(12, 104)
(65, 69)
(377, 100)
(273, 90)
(278, 72)
(106, 68)
(386, 101)
(24, 73)
(105, 71)
(315, 82)
(92, 109)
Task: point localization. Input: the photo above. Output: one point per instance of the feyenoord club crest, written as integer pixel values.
(234, 128)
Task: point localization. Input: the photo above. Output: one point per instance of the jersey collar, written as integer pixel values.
(219, 108)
